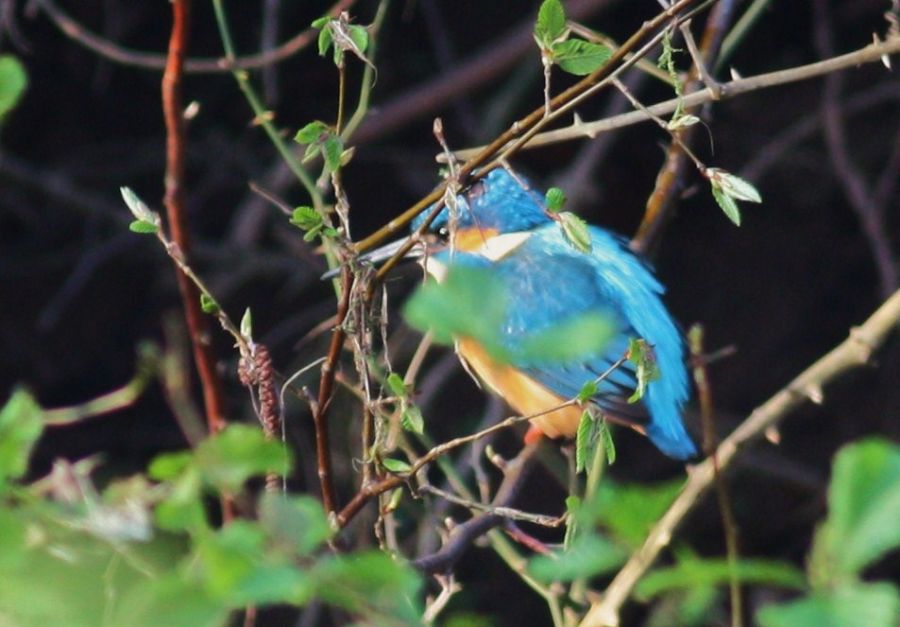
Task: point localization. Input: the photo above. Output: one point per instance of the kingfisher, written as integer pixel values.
(501, 224)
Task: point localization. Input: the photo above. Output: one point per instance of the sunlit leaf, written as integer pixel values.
(864, 510)
(554, 199)
(550, 24)
(690, 573)
(589, 555)
(579, 57)
(229, 458)
(860, 605)
(13, 81)
(396, 465)
(577, 338)
(575, 231)
(20, 427)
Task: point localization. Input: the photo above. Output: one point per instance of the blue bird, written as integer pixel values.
(500, 224)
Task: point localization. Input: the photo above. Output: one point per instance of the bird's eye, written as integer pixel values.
(444, 234)
(478, 189)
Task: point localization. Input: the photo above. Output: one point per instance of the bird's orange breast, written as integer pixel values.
(523, 393)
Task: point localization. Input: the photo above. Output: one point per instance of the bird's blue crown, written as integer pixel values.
(500, 201)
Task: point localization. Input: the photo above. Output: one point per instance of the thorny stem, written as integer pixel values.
(198, 323)
(871, 53)
(855, 351)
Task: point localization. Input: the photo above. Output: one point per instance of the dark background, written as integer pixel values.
(78, 291)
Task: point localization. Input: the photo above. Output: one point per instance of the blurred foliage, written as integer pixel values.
(95, 557)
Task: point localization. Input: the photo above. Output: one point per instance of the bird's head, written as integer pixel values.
(501, 208)
(498, 204)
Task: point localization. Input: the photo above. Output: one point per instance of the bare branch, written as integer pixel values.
(852, 353)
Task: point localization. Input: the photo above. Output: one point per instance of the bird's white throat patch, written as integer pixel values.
(493, 248)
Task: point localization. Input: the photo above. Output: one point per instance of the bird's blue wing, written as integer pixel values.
(551, 282)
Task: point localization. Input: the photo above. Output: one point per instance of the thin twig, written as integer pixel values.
(526, 125)
(465, 534)
(871, 53)
(852, 353)
(504, 512)
(151, 61)
(710, 441)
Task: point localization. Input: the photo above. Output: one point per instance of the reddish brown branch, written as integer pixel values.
(152, 61)
(326, 391)
(197, 321)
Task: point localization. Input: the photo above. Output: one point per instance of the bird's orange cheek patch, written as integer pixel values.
(472, 239)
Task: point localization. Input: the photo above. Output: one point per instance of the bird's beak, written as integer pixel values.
(383, 253)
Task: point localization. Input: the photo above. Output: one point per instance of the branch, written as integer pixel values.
(152, 61)
(197, 321)
(465, 534)
(326, 391)
(869, 54)
(485, 159)
(853, 352)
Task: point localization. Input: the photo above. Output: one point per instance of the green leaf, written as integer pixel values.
(587, 391)
(726, 202)
(579, 57)
(589, 555)
(412, 420)
(182, 602)
(247, 324)
(469, 303)
(682, 121)
(575, 231)
(397, 386)
(295, 522)
(733, 186)
(359, 36)
(577, 338)
(208, 304)
(182, 509)
(606, 439)
(641, 354)
(138, 207)
(228, 556)
(13, 81)
(306, 218)
(320, 22)
(397, 466)
(371, 583)
(630, 511)
(20, 427)
(13, 540)
(142, 226)
(554, 199)
(864, 509)
(693, 572)
(311, 133)
(229, 458)
(325, 40)
(332, 149)
(168, 466)
(860, 605)
(550, 24)
(585, 441)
